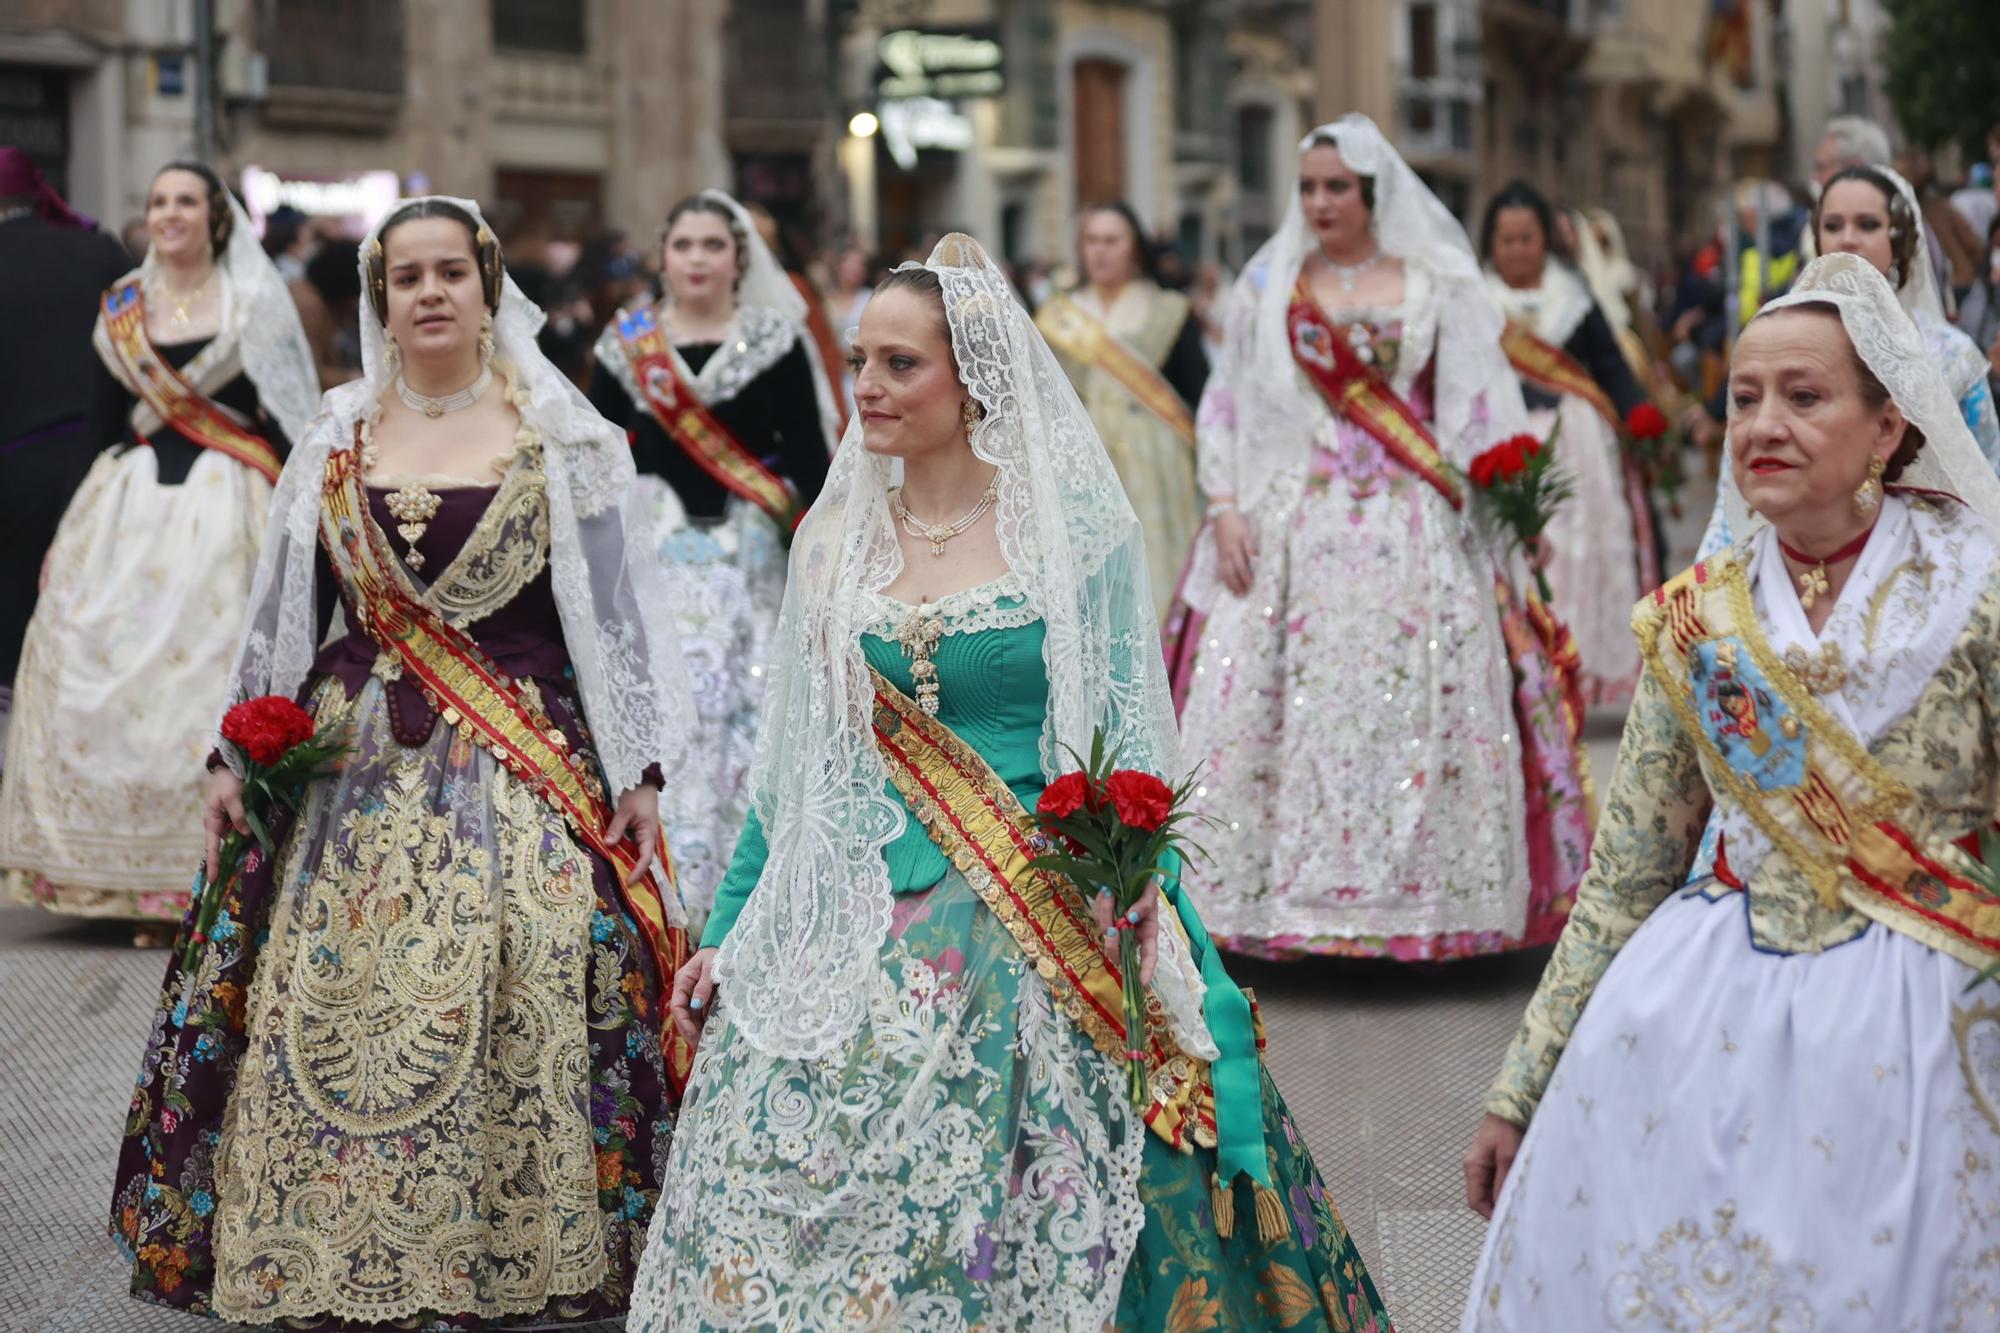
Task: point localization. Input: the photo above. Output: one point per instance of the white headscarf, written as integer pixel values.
(1478, 399)
(806, 949)
(258, 316)
(1889, 344)
(617, 623)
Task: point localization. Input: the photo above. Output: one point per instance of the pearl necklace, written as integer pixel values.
(443, 403)
(937, 534)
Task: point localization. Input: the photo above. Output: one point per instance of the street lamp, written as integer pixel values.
(863, 125)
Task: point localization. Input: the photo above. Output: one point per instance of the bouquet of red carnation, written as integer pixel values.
(281, 754)
(1115, 830)
(1519, 482)
(1660, 450)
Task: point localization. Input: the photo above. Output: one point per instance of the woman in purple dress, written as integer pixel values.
(417, 1076)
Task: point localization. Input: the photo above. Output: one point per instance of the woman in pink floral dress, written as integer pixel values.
(1388, 737)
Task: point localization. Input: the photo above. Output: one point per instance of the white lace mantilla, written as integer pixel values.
(809, 942)
(758, 341)
(616, 617)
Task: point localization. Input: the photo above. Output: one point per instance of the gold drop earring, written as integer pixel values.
(394, 354)
(486, 340)
(1868, 495)
(970, 413)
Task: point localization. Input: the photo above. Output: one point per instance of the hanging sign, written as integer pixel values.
(941, 63)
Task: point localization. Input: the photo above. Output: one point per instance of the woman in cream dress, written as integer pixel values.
(1758, 1087)
(1133, 350)
(207, 378)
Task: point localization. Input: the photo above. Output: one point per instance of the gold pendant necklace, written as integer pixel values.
(180, 301)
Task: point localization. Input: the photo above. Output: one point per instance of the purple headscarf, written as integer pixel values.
(20, 178)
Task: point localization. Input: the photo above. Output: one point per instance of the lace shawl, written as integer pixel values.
(808, 943)
(612, 599)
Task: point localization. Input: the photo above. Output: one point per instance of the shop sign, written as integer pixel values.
(923, 122)
(358, 201)
(941, 63)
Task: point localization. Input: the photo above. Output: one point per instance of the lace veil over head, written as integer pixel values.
(258, 315)
(1887, 340)
(1919, 290)
(616, 619)
(806, 948)
(1478, 400)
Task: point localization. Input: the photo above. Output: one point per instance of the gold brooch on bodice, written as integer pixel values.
(1823, 672)
(919, 635)
(413, 507)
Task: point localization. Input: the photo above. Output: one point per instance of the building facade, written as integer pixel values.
(1185, 109)
(1612, 102)
(563, 115)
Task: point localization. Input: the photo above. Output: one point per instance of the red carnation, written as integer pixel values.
(1065, 796)
(1646, 422)
(1514, 453)
(264, 728)
(1142, 800)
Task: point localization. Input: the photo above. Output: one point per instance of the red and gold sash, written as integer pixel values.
(688, 422)
(1358, 391)
(1804, 779)
(985, 831)
(1081, 336)
(470, 692)
(167, 391)
(1553, 370)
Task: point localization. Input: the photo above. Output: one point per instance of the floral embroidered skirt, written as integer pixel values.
(1741, 1140)
(727, 581)
(1382, 743)
(967, 1160)
(416, 1078)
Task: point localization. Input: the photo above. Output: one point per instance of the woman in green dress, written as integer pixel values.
(909, 1107)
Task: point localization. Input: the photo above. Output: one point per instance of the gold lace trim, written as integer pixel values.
(409, 1128)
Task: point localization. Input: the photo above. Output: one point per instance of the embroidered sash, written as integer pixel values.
(1083, 337)
(984, 830)
(1804, 779)
(1553, 370)
(498, 715)
(698, 431)
(1358, 390)
(167, 392)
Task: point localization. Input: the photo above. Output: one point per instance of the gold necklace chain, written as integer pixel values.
(180, 301)
(937, 534)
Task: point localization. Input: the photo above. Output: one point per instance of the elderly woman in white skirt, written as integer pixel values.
(1759, 1086)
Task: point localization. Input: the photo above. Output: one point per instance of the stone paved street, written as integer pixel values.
(1383, 1067)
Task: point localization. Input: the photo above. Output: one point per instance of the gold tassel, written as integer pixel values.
(1222, 1200)
(1272, 1225)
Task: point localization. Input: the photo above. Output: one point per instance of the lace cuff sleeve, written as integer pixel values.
(1645, 842)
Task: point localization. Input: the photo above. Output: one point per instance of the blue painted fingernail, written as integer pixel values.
(696, 1002)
